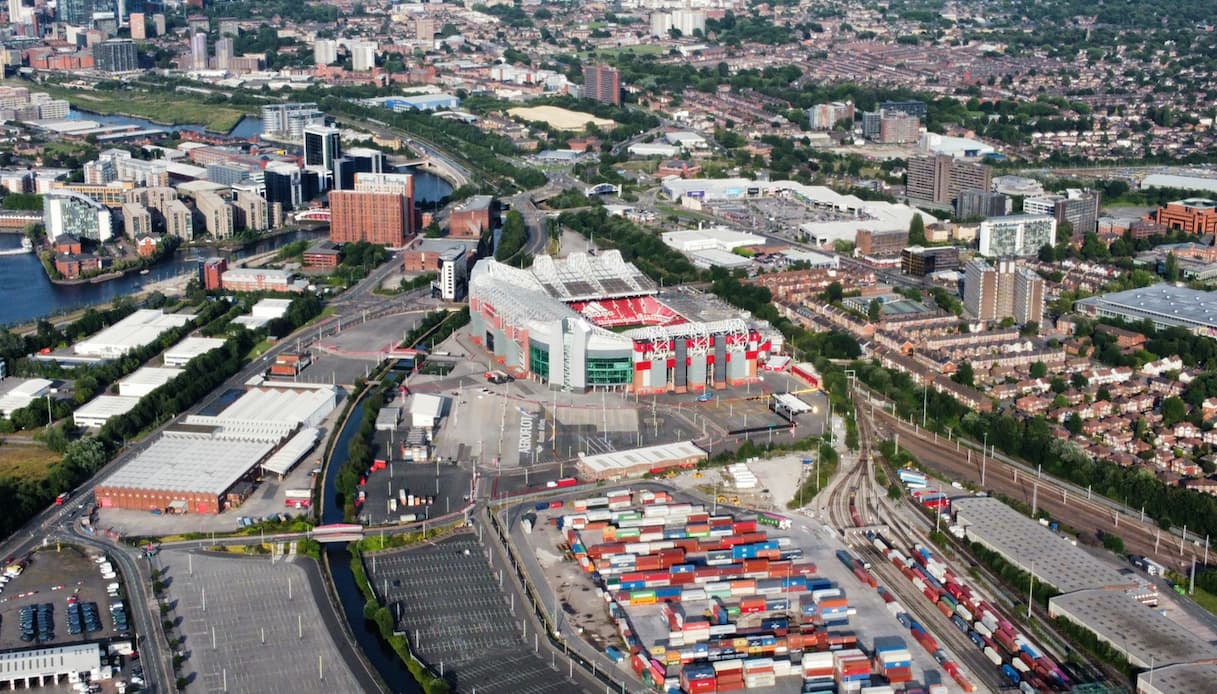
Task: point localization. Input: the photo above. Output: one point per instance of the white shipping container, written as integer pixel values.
(989, 620)
(1019, 664)
(938, 689)
(992, 655)
(894, 608)
(963, 613)
(817, 660)
(982, 629)
(884, 689)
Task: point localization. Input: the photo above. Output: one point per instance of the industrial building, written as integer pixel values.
(22, 393)
(852, 213)
(1143, 636)
(180, 354)
(1016, 235)
(551, 323)
(635, 462)
(1004, 290)
(96, 412)
(55, 665)
(1164, 304)
(136, 330)
(146, 379)
(1184, 678)
(1037, 550)
(208, 463)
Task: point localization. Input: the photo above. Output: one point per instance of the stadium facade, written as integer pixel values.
(552, 323)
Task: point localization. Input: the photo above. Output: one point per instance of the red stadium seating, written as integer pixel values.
(617, 313)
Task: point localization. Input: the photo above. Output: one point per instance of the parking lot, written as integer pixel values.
(458, 619)
(53, 575)
(253, 625)
(439, 489)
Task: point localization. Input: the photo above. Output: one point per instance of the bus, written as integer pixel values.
(773, 520)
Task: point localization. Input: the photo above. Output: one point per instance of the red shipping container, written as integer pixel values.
(744, 526)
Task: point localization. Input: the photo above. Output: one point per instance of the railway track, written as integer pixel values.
(858, 500)
(1064, 503)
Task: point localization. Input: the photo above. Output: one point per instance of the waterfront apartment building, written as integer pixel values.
(1016, 235)
(137, 220)
(1004, 290)
(251, 211)
(116, 55)
(217, 214)
(1193, 215)
(941, 178)
(1078, 207)
(380, 210)
(68, 212)
(602, 83)
(288, 120)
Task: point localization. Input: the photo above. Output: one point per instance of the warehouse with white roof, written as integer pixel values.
(136, 330)
(637, 461)
(146, 379)
(1142, 635)
(189, 348)
(207, 463)
(96, 412)
(22, 393)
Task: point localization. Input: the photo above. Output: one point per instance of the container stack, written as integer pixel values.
(758, 672)
(851, 668)
(729, 675)
(698, 678)
(895, 663)
(818, 672)
(741, 476)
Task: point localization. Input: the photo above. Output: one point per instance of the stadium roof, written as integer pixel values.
(581, 277)
(520, 297)
(184, 462)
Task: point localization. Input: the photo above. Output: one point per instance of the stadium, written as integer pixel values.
(596, 322)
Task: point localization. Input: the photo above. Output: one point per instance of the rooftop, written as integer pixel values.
(186, 462)
(606, 463)
(1197, 203)
(1163, 303)
(136, 330)
(191, 347)
(1140, 632)
(105, 406)
(1034, 548)
(1179, 679)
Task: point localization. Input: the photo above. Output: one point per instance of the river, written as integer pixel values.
(367, 635)
(26, 293)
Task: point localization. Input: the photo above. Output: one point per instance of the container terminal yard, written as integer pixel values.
(698, 599)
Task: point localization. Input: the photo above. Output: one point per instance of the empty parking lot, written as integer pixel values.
(455, 614)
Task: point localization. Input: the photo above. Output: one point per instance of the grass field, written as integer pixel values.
(608, 53)
(168, 107)
(25, 462)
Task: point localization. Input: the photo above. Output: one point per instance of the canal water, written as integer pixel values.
(367, 635)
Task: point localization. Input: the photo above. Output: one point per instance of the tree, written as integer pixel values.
(1174, 410)
(1039, 369)
(1078, 381)
(1074, 423)
(833, 293)
(964, 375)
(916, 231)
(1029, 329)
(1047, 253)
(1171, 270)
(874, 311)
